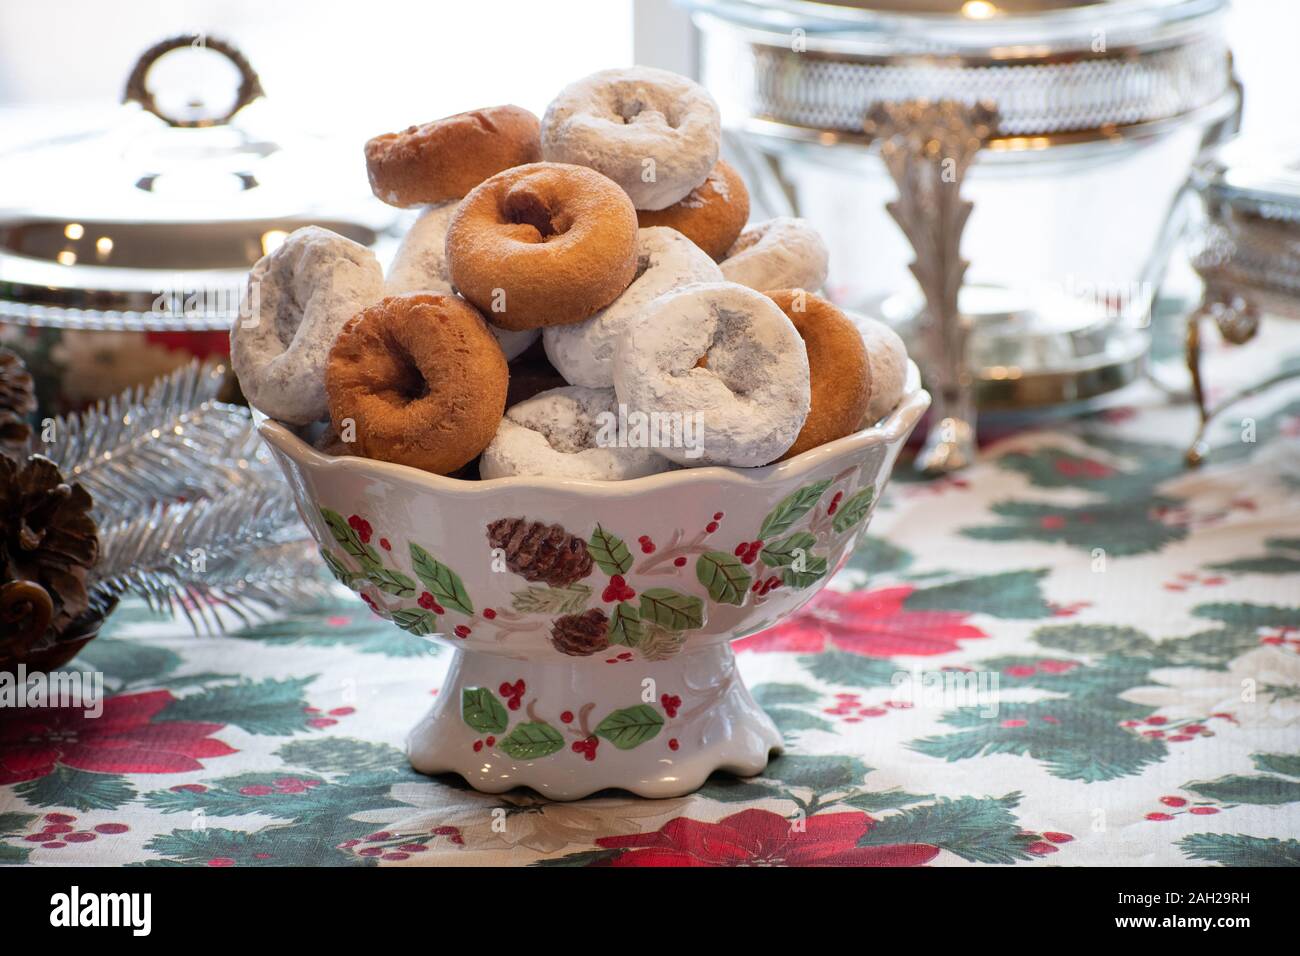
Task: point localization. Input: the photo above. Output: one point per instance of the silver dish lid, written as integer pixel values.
(1059, 71)
(152, 221)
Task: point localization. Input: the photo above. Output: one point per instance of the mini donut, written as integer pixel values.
(887, 356)
(653, 132)
(420, 265)
(302, 294)
(421, 380)
(447, 158)
(544, 244)
(584, 352)
(711, 215)
(781, 253)
(727, 353)
(569, 432)
(839, 372)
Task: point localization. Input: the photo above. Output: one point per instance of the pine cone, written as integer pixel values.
(539, 552)
(581, 635)
(47, 535)
(17, 402)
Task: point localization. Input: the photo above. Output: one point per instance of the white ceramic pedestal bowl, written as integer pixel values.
(609, 667)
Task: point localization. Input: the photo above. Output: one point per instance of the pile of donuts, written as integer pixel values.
(564, 273)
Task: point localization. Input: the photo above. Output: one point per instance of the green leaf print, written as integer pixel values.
(723, 576)
(609, 552)
(672, 610)
(480, 709)
(441, 581)
(631, 726)
(531, 740)
(780, 554)
(791, 508)
(854, 511)
(350, 542)
(625, 625)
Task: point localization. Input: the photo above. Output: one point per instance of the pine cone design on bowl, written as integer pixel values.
(540, 552)
(581, 635)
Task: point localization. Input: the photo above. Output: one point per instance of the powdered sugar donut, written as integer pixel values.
(653, 132)
(725, 358)
(584, 352)
(887, 356)
(781, 253)
(569, 432)
(420, 265)
(304, 293)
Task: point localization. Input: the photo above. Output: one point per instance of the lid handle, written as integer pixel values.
(137, 90)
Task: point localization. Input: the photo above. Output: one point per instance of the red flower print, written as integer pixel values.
(764, 838)
(124, 739)
(869, 623)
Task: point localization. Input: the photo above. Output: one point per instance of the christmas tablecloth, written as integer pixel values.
(1134, 629)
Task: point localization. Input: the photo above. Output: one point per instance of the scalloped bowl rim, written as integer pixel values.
(893, 427)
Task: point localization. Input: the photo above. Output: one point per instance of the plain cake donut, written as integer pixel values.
(420, 380)
(838, 371)
(447, 158)
(544, 244)
(711, 215)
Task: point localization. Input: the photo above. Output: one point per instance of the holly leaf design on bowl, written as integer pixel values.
(672, 610)
(610, 552)
(723, 576)
(480, 709)
(531, 740)
(791, 508)
(441, 581)
(631, 726)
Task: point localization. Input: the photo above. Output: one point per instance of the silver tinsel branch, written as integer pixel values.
(194, 517)
(164, 442)
(244, 552)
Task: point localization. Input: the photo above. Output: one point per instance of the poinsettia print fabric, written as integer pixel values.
(1075, 653)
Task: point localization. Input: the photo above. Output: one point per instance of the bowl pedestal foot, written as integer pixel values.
(570, 726)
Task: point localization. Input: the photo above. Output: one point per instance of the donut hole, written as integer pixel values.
(733, 357)
(405, 382)
(632, 108)
(523, 207)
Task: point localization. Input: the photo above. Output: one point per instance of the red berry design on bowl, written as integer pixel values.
(670, 703)
(362, 527)
(617, 590)
(586, 747)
